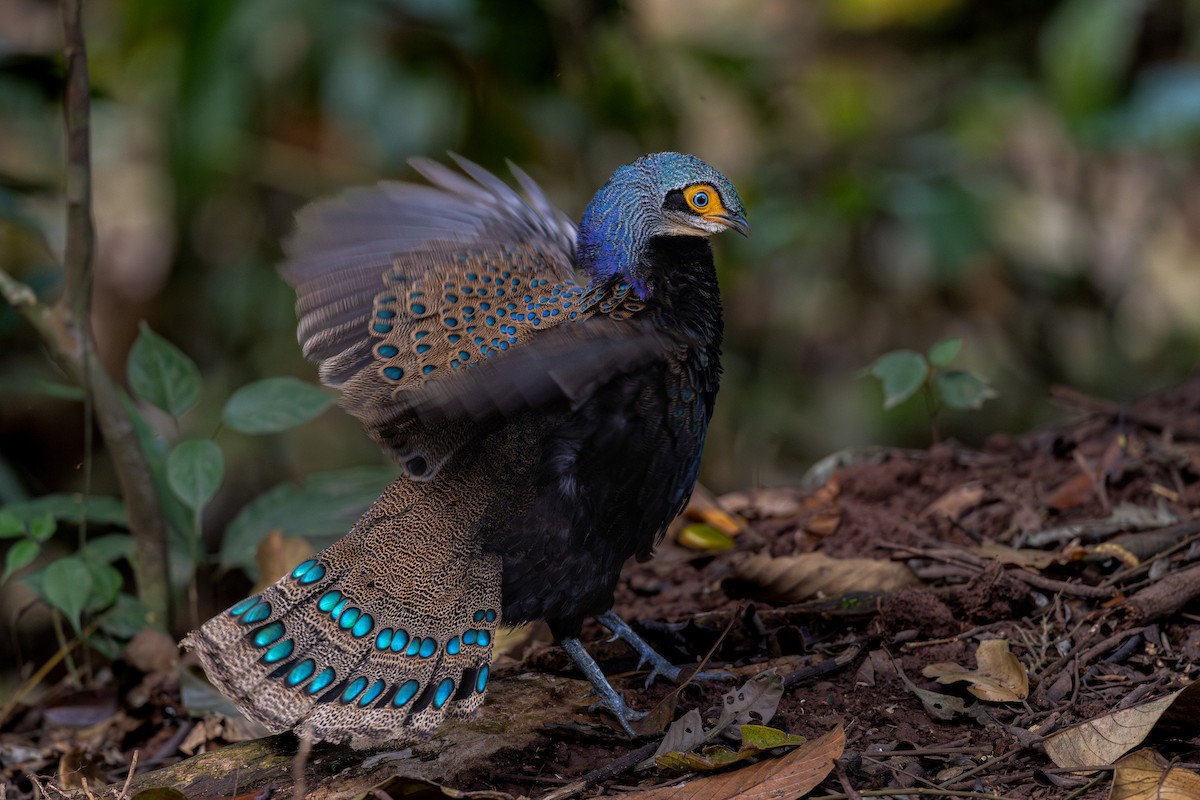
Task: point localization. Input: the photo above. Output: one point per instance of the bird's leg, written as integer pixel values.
(646, 653)
(609, 698)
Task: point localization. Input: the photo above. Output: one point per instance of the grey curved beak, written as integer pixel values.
(738, 223)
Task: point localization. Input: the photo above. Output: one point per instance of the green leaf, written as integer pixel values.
(943, 352)
(110, 548)
(101, 509)
(42, 527)
(756, 739)
(902, 372)
(1086, 48)
(963, 390)
(10, 525)
(275, 404)
(161, 375)
(322, 510)
(126, 618)
(178, 517)
(66, 585)
(194, 471)
(106, 585)
(762, 737)
(21, 554)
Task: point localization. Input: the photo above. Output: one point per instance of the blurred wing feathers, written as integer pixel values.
(400, 285)
(563, 362)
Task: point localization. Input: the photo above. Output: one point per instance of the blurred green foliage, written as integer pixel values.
(1021, 173)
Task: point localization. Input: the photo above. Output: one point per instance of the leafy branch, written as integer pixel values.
(66, 330)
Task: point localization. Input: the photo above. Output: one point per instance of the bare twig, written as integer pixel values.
(11, 703)
(129, 778)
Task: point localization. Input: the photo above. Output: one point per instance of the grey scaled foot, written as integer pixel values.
(609, 698)
(647, 654)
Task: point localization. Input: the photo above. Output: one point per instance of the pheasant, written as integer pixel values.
(546, 391)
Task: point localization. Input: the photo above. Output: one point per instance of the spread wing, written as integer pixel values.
(434, 308)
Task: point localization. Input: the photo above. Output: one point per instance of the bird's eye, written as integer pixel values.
(702, 199)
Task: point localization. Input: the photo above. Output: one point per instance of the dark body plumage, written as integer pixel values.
(619, 466)
(549, 428)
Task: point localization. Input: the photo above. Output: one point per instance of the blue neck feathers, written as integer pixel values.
(616, 228)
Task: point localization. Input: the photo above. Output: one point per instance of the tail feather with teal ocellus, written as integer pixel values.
(376, 639)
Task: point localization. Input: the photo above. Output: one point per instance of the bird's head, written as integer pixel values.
(662, 194)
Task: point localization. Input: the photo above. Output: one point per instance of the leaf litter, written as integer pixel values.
(1091, 597)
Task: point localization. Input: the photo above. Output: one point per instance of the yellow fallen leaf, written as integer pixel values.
(717, 517)
(705, 538)
(1144, 775)
(999, 678)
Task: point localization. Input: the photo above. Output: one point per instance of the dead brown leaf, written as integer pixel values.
(937, 705)
(1146, 775)
(999, 678)
(956, 502)
(1101, 741)
(151, 650)
(1023, 557)
(1091, 479)
(277, 555)
(820, 512)
(792, 579)
(793, 775)
(84, 708)
(509, 639)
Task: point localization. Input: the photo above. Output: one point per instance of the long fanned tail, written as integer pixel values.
(376, 639)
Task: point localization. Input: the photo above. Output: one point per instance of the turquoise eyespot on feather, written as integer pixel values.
(406, 692)
(348, 617)
(353, 689)
(268, 634)
(322, 681)
(308, 572)
(301, 672)
(279, 651)
(372, 694)
(257, 610)
(444, 690)
(243, 606)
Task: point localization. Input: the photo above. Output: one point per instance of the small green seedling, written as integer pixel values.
(903, 373)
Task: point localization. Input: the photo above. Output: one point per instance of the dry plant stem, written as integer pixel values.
(42, 672)
(73, 343)
(132, 766)
(66, 331)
